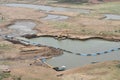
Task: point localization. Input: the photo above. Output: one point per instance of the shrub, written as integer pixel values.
(118, 66)
(4, 75)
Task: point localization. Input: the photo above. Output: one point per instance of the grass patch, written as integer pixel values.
(5, 46)
(109, 33)
(4, 75)
(118, 66)
(111, 7)
(108, 7)
(61, 25)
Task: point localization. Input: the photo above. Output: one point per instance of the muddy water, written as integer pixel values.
(49, 8)
(55, 17)
(23, 27)
(112, 17)
(77, 46)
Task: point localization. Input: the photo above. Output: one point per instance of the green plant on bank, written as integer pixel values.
(105, 7)
(5, 63)
(16, 77)
(117, 31)
(61, 25)
(110, 7)
(118, 66)
(4, 75)
(84, 31)
(5, 46)
(2, 19)
(107, 33)
(8, 75)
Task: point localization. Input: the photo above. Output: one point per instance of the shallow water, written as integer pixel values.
(73, 61)
(23, 27)
(55, 17)
(48, 8)
(77, 46)
(112, 17)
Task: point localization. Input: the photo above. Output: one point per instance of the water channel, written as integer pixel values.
(48, 8)
(90, 46)
(54, 17)
(112, 17)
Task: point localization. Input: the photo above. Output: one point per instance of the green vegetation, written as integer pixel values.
(61, 25)
(5, 46)
(8, 75)
(111, 7)
(4, 75)
(17, 78)
(118, 66)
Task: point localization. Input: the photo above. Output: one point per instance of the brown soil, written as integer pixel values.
(11, 13)
(19, 58)
(92, 72)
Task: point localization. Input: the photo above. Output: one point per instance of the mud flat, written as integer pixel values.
(23, 27)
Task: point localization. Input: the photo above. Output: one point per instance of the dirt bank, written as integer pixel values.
(11, 13)
(98, 71)
(19, 58)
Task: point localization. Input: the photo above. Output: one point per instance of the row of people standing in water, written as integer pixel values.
(27, 42)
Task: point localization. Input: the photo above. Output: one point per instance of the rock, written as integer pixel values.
(5, 69)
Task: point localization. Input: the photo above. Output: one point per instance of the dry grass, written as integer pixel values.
(99, 71)
(35, 73)
(89, 26)
(12, 13)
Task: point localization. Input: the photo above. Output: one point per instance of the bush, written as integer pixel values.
(17, 78)
(4, 75)
(118, 66)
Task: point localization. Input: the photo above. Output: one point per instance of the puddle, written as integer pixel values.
(112, 17)
(55, 17)
(49, 8)
(23, 27)
(77, 46)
